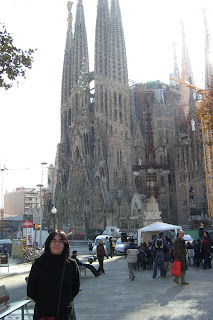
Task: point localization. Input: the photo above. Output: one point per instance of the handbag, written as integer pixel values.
(176, 269)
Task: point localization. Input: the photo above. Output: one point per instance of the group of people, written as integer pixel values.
(200, 251)
(162, 252)
(54, 277)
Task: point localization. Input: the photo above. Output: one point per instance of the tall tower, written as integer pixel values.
(112, 113)
(94, 185)
(208, 53)
(186, 71)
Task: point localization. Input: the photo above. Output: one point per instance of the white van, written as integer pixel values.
(102, 236)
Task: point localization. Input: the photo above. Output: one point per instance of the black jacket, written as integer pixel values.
(44, 285)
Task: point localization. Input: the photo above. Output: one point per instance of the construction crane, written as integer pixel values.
(2, 170)
(207, 137)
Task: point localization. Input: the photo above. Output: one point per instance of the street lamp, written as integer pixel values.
(54, 211)
(40, 212)
(41, 208)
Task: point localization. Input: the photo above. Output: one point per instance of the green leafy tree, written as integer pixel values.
(14, 62)
(205, 111)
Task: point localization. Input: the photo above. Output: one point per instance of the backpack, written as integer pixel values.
(159, 243)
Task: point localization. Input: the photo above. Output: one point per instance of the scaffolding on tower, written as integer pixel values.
(207, 138)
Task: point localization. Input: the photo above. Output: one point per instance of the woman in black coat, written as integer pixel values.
(206, 250)
(54, 280)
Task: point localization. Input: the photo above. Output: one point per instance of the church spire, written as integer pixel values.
(67, 67)
(176, 73)
(80, 52)
(208, 53)
(186, 74)
(117, 66)
(101, 38)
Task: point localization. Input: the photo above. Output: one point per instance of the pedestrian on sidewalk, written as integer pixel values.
(101, 254)
(159, 245)
(107, 247)
(54, 280)
(86, 265)
(206, 250)
(179, 251)
(131, 252)
(111, 247)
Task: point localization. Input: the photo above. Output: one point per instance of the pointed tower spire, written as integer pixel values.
(208, 53)
(101, 38)
(176, 73)
(186, 74)
(117, 62)
(80, 53)
(67, 67)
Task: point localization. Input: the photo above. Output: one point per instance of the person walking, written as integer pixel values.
(206, 250)
(101, 254)
(54, 282)
(179, 251)
(131, 252)
(107, 247)
(159, 245)
(86, 265)
(111, 247)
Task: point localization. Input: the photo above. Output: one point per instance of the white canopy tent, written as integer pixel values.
(157, 226)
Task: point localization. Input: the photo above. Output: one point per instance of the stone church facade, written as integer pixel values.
(103, 119)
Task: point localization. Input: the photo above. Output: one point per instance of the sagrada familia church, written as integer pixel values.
(130, 154)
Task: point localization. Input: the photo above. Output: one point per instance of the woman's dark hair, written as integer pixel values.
(208, 236)
(66, 251)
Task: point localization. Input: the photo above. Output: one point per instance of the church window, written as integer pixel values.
(115, 99)
(119, 100)
(76, 101)
(161, 159)
(168, 159)
(162, 181)
(106, 101)
(115, 114)
(163, 204)
(120, 156)
(169, 179)
(120, 115)
(69, 118)
(159, 123)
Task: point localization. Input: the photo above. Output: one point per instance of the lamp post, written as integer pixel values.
(40, 198)
(40, 212)
(54, 211)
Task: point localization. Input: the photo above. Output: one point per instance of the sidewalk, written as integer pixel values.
(14, 268)
(113, 296)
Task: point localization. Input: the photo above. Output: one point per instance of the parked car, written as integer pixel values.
(103, 237)
(188, 238)
(119, 247)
